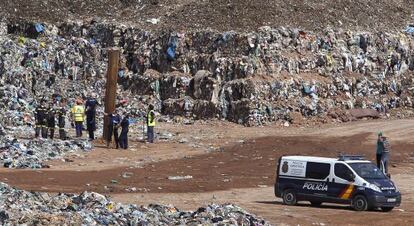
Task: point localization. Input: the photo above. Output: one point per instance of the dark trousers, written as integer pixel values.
(379, 156)
(62, 134)
(41, 129)
(62, 69)
(38, 128)
(78, 127)
(123, 140)
(91, 134)
(113, 130)
(51, 132)
(150, 134)
(90, 126)
(44, 132)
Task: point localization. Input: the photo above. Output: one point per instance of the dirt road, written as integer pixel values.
(262, 202)
(229, 163)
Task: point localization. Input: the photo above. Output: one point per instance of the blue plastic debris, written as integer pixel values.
(172, 46)
(132, 120)
(410, 29)
(171, 53)
(39, 28)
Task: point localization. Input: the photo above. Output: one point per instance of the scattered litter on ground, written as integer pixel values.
(15, 153)
(180, 177)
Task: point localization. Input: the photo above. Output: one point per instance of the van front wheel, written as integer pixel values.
(289, 197)
(360, 203)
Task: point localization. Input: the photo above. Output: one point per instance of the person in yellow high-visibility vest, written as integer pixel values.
(78, 114)
(150, 123)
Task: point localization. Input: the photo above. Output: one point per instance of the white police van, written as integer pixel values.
(347, 180)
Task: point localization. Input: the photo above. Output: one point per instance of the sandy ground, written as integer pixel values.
(229, 163)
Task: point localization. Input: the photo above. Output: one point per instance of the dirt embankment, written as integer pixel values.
(222, 14)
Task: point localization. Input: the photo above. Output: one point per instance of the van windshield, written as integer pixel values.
(367, 170)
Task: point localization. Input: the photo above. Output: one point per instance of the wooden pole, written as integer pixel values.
(111, 84)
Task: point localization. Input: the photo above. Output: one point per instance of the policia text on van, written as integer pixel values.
(348, 180)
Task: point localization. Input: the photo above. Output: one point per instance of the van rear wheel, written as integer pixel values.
(289, 197)
(360, 203)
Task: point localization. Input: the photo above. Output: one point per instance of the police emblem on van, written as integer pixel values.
(315, 186)
(285, 167)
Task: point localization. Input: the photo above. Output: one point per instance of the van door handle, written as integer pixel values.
(333, 180)
(327, 180)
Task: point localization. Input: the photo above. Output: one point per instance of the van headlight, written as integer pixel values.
(374, 187)
(396, 188)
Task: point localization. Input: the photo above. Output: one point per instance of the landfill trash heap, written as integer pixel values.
(34, 208)
(15, 153)
(273, 74)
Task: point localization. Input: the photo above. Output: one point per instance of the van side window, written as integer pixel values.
(316, 170)
(342, 171)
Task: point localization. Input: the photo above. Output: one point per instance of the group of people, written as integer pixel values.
(45, 116)
(117, 121)
(47, 113)
(46, 119)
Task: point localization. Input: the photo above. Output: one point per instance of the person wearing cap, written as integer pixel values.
(385, 158)
(90, 106)
(40, 115)
(78, 115)
(150, 123)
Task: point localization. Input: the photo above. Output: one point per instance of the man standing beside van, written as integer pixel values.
(383, 152)
(386, 155)
(380, 149)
